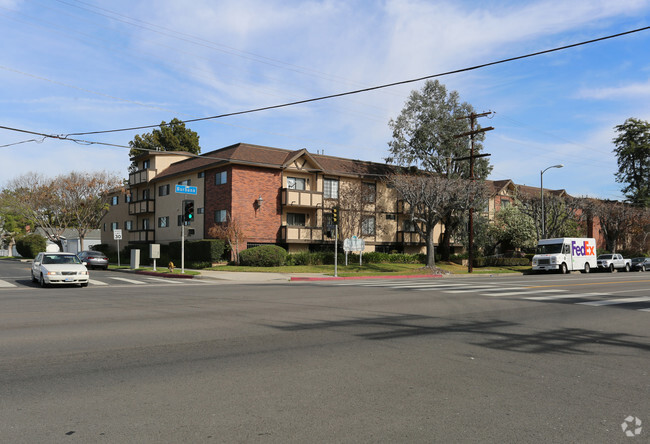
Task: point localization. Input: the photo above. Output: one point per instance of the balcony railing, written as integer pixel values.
(302, 198)
(142, 236)
(142, 176)
(142, 206)
(293, 233)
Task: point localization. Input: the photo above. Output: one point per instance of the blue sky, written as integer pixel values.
(72, 66)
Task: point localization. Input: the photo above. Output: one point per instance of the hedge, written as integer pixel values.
(373, 257)
(263, 256)
(30, 245)
(207, 250)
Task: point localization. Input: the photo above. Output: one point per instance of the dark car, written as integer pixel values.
(641, 263)
(93, 259)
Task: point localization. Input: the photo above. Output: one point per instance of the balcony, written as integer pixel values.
(294, 233)
(409, 237)
(302, 198)
(142, 236)
(142, 176)
(142, 206)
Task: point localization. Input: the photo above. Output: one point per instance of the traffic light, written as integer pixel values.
(188, 210)
(335, 215)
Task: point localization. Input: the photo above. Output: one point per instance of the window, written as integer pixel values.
(505, 203)
(186, 182)
(201, 174)
(128, 225)
(295, 183)
(115, 200)
(145, 194)
(163, 222)
(145, 224)
(409, 226)
(163, 190)
(220, 216)
(391, 217)
(221, 178)
(368, 192)
(368, 226)
(331, 188)
(296, 219)
(127, 198)
(114, 226)
(200, 210)
(146, 164)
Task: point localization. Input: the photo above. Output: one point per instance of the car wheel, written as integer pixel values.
(611, 268)
(642, 267)
(627, 267)
(85, 284)
(563, 269)
(41, 281)
(587, 268)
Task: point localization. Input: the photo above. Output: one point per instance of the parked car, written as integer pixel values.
(641, 263)
(611, 262)
(59, 268)
(93, 259)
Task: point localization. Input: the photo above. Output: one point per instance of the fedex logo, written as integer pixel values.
(582, 250)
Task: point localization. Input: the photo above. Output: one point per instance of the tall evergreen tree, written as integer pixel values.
(632, 148)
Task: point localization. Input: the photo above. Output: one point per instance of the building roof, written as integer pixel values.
(263, 156)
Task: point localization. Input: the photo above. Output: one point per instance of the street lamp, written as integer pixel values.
(541, 180)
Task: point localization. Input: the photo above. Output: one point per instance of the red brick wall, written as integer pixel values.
(240, 198)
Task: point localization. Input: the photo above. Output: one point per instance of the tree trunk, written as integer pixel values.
(445, 248)
(431, 257)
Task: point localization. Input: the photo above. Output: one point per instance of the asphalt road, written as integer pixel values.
(446, 360)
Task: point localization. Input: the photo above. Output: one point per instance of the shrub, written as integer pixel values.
(263, 256)
(207, 250)
(500, 261)
(30, 245)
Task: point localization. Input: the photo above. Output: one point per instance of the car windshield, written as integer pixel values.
(549, 249)
(60, 259)
(605, 256)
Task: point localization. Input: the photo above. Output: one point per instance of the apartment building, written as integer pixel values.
(278, 196)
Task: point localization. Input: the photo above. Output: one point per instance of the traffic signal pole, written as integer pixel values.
(183, 247)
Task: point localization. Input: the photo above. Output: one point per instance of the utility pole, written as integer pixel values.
(472, 118)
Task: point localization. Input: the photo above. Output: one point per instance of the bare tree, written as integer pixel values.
(563, 213)
(358, 213)
(430, 197)
(617, 221)
(232, 232)
(76, 201)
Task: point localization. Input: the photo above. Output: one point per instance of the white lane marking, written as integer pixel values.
(616, 301)
(517, 293)
(471, 289)
(563, 296)
(96, 282)
(166, 281)
(130, 281)
(6, 284)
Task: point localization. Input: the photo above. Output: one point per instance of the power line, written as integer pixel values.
(374, 88)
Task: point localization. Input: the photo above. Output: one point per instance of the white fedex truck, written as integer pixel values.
(565, 254)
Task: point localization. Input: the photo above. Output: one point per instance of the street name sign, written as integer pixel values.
(184, 189)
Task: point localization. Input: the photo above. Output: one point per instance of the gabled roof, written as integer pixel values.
(263, 156)
(535, 191)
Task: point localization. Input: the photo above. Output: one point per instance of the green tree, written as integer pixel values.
(424, 135)
(172, 136)
(632, 147)
(516, 229)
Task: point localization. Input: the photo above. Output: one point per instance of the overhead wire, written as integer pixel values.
(378, 87)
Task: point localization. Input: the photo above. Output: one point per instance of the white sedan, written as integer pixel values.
(59, 268)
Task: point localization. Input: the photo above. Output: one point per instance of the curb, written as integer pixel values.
(332, 278)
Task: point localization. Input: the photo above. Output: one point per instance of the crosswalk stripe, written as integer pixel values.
(616, 301)
(645, 309)
(562, 296)
(96, 282)
(130, 281)
(470, 289)
(6, 284)
(166, 281)
(517, 293)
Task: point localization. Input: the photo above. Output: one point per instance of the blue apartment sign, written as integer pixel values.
(184, 189)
